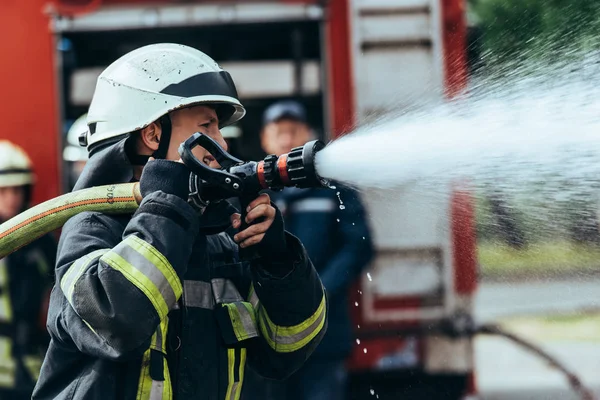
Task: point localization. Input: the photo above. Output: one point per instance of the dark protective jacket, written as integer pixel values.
(150, 306)
(25, 279)
(337, 239)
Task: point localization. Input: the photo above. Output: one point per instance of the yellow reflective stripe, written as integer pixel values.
(7, 364)
(234, 388)
(241, 372)
(5, 302)
(149, 389)
(230, 374)
(145, 382)
(33, 364)
(286, 339)
(243, 319)
(149, 270)
(70, 278)
(139, 279)
(159, 260)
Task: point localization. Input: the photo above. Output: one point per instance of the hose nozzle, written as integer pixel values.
(296, 168)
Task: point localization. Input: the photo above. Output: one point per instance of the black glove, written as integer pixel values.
(273, 250)
(167, 176)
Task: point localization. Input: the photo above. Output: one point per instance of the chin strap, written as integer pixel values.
(163, 146)
(165, 138)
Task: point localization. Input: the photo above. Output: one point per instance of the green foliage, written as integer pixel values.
(541, 259)
(525, 29)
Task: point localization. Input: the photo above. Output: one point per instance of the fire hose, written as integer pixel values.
(576, 384)
(462, 326)
(235, 178)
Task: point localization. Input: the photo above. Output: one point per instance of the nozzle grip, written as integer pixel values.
(248, 253)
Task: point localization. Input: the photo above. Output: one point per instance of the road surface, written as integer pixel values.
(504, 371)
(497, 300)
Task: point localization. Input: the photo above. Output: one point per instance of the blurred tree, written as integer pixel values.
(524, 29)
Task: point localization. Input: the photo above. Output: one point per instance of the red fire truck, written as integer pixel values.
(348, 61)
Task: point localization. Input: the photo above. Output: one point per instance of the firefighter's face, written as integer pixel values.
(281, 136)
(12, 200)
(188, 121)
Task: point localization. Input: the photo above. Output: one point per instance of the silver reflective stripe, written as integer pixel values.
(290, 339)
(225, 291)
(254, 299)
(198, 294)
(149, 270)
(313, 205)
(156, 392)
(234, 390)
(247, 321)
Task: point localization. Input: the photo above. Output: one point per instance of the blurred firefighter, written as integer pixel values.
(338, 241)
(25, 278)
(73, 154)
(158, 304)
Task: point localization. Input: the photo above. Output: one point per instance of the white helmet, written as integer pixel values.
(145, 84)
(15, 165)
(73, 151)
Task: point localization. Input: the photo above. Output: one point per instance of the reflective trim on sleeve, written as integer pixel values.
(235, 375)
(243, 319)
(198, 294)
(70, 278)
(286, 339)
(149, 270)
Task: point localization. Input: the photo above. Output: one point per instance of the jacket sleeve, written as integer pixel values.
(356, 247)
(291, 315)
(118, 288)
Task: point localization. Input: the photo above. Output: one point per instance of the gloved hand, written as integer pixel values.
(167, 176)
(268, 235)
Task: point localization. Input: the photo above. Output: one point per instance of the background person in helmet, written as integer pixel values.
(157, 305)
(73, 154)
(339, 244)
(24, 280)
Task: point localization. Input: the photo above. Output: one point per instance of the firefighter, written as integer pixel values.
(340, 248)
(24, 280)
(73, 154)
(158, 304)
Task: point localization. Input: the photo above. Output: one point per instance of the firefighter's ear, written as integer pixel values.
(150, 136)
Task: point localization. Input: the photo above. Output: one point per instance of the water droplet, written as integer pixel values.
(338, 220)
(356, 303)
(365, 350)
(342, 207)
(363, 238)
(372, 392)
(353, 223)
(357, 341)
(358, 326)
(369, 277)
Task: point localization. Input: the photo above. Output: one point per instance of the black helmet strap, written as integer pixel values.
(165, 138)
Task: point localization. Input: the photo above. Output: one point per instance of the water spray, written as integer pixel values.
(235, 178)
